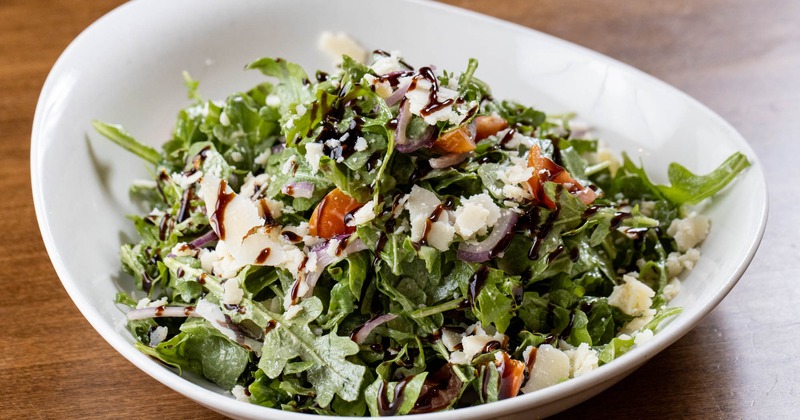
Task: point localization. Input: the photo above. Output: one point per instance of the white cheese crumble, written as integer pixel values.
(363, 215)
(240, 393)
(262, 157)
(292, 311)
(672, 289)
(419, 99)
(223, 119)
(551, 367)
(339, 44)
(476, 215)
(300, 109)
(288, 165)
(185, 181)
(384, 65)
(233, 292)
(632, 297)
(473, 340)
(637, 324)
(361, 144)
(273, 100)
(147, 303)
(583, 359)
(421, 204)
(677, 262)
(182, 249)
(689, 231)
(158, 335)
(642, 337)
(314, 152)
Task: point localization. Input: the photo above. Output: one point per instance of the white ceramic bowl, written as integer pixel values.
(127, 66)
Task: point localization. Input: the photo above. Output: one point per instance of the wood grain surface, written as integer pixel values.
(739, 57)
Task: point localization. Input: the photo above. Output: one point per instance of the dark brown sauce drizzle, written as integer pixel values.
(618, 218)
(476, 283)
(438, 391)
(372, 162)
(542, 232)
(434, 104)
(294, 292)
(399, 60)
(271, 324)
(574, 254)
(147, 282)
(321, 76)
(291, 236)
(240, 309)
(423, 169)
(386, 408)
(165, 227)
(434, 216)
(555, 254)
(568, 330)
(507, 137)
(223, 199)
(263, 255)
(492, 346)
(186, 200)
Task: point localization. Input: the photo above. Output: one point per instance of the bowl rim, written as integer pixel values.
(219, 402)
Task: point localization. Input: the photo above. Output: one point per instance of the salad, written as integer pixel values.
(389, 240)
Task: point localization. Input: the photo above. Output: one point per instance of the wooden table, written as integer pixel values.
(740, 57)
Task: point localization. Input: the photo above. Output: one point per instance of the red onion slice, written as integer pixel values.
(326, 253)
(162, 312)
(362, 332)
(204, 240)
(397, 95)
(298, 189)
(447, 161)
(402, 142)
(496, 243)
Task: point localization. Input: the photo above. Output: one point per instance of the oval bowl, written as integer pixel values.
(126, 68)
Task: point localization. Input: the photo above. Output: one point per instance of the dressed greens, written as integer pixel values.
(391, 240)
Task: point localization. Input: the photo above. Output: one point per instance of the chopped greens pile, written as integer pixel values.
(388, 240)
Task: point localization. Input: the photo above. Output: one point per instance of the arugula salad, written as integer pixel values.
(391, 239)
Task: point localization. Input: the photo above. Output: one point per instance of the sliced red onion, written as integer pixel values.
(204, 239)
(397, 95)
(362, 332)
(326, 253)
(496, 243)
(298, 189)
(402, 142)
(162, 312)
(447, 161)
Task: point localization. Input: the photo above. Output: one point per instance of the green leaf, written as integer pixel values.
(408, 396)
(332, 374)
(118, 135)
(688, 188)
(200, 348)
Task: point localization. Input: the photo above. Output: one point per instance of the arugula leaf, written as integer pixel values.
(332, 374)
(202, 349)
(118, 135)
(688, 188)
